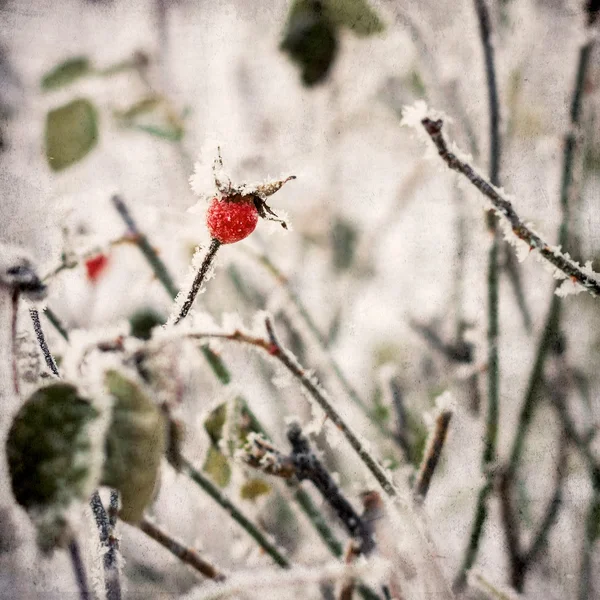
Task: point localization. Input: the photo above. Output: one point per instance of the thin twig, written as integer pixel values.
(275, 349)
(317, 520)
(56, 323)
(79, 570)
(215, 493)
(511, 268)
(39, 334)
(203, 271)
(184, 553)
(493, 370)
(432, 454)
(140, 239)
(586, 591)
(505, 208)
(13, 339)
(351, 554)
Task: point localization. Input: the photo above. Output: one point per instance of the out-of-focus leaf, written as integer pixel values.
(343, 237)
(139, 108)
(49, 456)
(144, 321)
(217, 365)
(215, 422)
(175, 436)
(217, 467)
(311, 40)
(417, 438)
(357, 15)
(416, 83)
(594, 521)
(71, 132)
(66, 72)
(135, 443)
(254, 488)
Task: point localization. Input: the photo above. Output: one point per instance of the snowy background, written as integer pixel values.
(382, 239)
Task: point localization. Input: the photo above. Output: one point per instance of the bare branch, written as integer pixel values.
(184, 553)
(505, 209)
(432, 454)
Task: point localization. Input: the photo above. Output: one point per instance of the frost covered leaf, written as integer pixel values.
(357, 15)
(66, 72)
(217, 466)
(71, 132)
(253, 488)
(135, 443)
(49, 457)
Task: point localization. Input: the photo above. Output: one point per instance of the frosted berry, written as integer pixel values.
(230, 220)
(95, 266)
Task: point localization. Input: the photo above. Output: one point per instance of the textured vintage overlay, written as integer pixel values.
(298, 299)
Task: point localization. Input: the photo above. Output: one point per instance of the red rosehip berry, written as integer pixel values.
(95, 266)
(231, 220)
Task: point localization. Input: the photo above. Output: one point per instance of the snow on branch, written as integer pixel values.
(578, 278)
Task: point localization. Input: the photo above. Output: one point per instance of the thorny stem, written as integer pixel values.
(505, 208)
(274, 348)
(215, 244)
(79, 570)
(39, 334)
(213, 491)
(493, 371)
(184, 553)
(432, 454)
(106, 523)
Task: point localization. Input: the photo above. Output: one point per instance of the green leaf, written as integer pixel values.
(215, 422)
(357, 15)
(135, 444)
(217, 467)
(253, 488)
(71, 132)
(343, 237)
(144, 321)
(66, 72)
(311, 40)
(49, 456)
